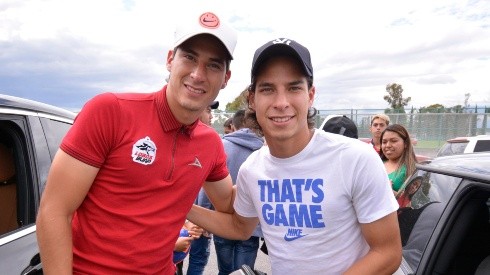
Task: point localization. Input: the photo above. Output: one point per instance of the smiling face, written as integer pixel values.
(281, 101)
(392, 145)
(198, 71)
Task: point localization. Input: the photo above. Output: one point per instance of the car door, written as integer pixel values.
(32, 140)
(461, 239)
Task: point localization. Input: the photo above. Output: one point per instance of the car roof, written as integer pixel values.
(474, 166)
(467, 139)
(13, 102)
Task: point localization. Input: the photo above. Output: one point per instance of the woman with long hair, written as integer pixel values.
(397, 154)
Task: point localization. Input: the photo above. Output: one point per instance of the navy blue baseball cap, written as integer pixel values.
(282, 47)
(214, 105)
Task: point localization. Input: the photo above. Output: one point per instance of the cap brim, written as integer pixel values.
(189, 36)
(214, 105)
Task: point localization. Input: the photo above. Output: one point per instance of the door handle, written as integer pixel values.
(35, 266)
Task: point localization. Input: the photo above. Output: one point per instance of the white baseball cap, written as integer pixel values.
(210, 23)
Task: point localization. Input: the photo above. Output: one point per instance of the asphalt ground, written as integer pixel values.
(262, 262)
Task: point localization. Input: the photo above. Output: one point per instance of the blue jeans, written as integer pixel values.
(233, 254)
(198, 256)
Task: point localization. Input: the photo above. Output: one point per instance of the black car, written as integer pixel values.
(444, 222)
(30, 134)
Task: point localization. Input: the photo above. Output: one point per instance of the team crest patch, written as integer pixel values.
(144, 151)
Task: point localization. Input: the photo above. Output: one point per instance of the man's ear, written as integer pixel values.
(170, 58)
(311, 95)
(251, 100)
(227, 77)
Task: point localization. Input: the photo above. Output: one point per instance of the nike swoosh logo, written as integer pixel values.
(288, 239)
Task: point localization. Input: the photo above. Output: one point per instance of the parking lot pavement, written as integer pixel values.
(262, 263)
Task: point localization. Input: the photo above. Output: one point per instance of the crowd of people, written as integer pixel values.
(124, 196)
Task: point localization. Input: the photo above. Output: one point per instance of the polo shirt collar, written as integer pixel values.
(167, 119)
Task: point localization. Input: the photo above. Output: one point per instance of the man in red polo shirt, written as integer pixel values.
(130, 167)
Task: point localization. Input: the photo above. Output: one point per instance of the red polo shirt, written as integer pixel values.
(151, 169)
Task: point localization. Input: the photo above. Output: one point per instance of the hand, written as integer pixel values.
(194, 230)
(182, 244)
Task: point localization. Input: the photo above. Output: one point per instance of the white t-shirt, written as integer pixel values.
(310, 205)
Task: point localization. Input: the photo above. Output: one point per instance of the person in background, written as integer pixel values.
(200, 247)
(232, 254)
(228, 126)
(206, 117)
(341, 125)
(379, 122)
(323, 200)
(404, 197)
(188, 233)
(397, 154)
(130, 167)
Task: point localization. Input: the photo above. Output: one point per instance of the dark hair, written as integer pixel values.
(239, 119)
(408, 156)
(228, 122)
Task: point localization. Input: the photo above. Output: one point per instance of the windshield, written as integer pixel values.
(451, 148)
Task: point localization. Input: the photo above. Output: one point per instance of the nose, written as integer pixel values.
(199, 72)
(281, 100)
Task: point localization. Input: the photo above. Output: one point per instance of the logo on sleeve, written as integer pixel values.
(144, 151)
(293, 234)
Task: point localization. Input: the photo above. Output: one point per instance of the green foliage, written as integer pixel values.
(395, 98)
(439, 108)
(240, 102)
(434, 108)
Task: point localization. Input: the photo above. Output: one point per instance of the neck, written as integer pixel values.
(290, 146)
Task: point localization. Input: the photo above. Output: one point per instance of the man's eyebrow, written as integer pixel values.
(213, 59)
(188, 50)
(264, 84)
(297, 82)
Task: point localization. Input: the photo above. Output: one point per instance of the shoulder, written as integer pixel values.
(118, 100)
(323, 140)
(256, 158)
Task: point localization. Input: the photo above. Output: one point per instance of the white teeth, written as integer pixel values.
(281, 119)
(198, 91)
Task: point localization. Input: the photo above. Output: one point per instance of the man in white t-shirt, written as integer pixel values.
(323, 200)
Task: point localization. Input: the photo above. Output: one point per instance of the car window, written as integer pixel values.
(424, 206)
(482, 146)
(54, 131)
(452, 148)
(12, 178)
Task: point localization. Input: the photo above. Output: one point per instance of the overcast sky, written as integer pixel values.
(64, 52)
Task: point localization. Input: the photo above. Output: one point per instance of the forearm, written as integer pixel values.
(225, 225)
(55, 244)
(376, 263)
(385, 247)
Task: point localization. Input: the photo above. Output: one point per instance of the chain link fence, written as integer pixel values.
(430, 130)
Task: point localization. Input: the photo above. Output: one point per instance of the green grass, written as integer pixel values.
(429, 144)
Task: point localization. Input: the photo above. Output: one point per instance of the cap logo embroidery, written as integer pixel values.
(209, 20)
(144, 151)
(281, 41)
